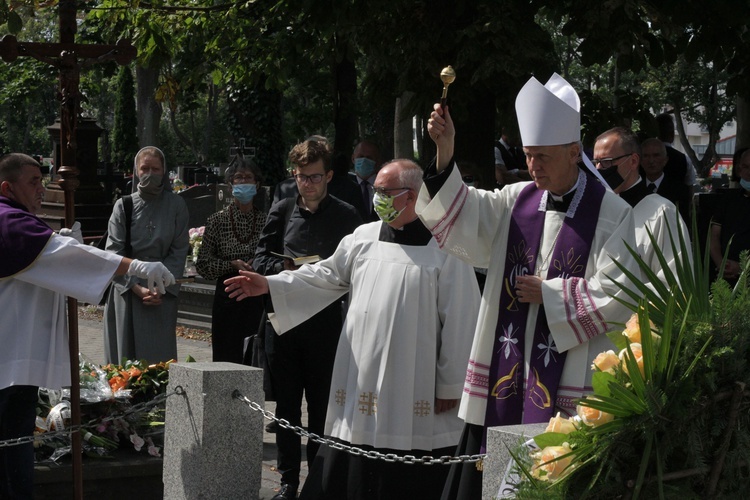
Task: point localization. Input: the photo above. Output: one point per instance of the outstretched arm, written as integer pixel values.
(247, 284)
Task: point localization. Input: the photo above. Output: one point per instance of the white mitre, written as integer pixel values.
(548, 115)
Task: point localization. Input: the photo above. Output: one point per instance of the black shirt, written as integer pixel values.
(414, 234)
(306, 233)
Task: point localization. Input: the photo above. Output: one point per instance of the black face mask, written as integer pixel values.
(612, 176)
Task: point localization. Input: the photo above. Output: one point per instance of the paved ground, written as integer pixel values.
(92, 347)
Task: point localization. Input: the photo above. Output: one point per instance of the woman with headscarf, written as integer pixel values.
(140, 324)
(228, 246)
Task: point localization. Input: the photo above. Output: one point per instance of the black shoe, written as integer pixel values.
(272, 427)
(287, 492)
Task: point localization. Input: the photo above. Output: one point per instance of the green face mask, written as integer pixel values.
(383, 205)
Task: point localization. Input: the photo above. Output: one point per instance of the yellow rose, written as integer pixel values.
(547, 464)
(606, 362)
(592, 416)
(637, 353)
(559, 424)
(633, 330)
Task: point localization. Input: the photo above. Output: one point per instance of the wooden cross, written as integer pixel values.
(69, 58)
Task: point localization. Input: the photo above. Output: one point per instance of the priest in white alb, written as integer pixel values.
(549, 247)
(401, 358)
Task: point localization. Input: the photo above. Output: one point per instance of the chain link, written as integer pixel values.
(67, 433)
(353, 450)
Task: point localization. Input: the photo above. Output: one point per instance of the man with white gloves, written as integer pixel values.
(38, 268)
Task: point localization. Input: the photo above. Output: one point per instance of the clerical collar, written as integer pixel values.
(413, 234)
(635, 193)
(562, 203)
(570, 192)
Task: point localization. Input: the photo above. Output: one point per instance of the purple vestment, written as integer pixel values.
(23, 236)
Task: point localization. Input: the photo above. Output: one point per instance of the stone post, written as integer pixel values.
(499, 441)
(213, 444)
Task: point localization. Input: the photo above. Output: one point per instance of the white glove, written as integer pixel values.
(156, 273)
(73, 232)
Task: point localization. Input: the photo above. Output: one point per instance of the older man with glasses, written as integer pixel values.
(549, 247)
(309, 224)
(401, 360)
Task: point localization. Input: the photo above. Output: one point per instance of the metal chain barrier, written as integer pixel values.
(66, 433)
(353, 450)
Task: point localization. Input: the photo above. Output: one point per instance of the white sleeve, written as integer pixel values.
(498, 157)
(300, 294)
(580, 309)
(69, 268)
(457, 216)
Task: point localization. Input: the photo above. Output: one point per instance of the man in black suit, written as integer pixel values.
(678, 166)
(653, 162)
(367, 161)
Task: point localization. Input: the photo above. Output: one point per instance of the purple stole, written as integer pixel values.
(508, 401)
(23, 236)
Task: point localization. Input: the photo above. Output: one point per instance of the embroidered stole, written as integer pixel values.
(509, 402)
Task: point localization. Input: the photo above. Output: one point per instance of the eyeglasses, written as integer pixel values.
(468, 178)
(609, 162)
(243, 179)
(385, 191)
(314, 178)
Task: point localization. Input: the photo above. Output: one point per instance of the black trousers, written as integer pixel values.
(231, 322)
(301, 361)
(464, 480)
(17, 419)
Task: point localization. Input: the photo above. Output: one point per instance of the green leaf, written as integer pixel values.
(15, 24)
(647, 347)
(601, 381)
(216, 76)
(551, 439)
(618, 339)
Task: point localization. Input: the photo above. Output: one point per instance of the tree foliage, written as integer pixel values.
(339, 65)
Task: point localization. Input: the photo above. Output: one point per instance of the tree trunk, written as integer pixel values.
(149, 111)
(344, 98)
(211, 106)
(403, 130)
(184, 139)
(683, 138)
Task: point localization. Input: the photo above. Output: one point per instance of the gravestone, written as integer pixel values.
(201, 203)
(500, 441)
